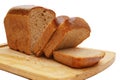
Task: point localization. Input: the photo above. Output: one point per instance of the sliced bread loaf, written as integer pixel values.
(78, 57)
(27, 26)
(70, 33)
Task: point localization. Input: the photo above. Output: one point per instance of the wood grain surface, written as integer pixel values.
(41, 68)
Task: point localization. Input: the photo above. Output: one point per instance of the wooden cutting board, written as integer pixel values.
(42, 68)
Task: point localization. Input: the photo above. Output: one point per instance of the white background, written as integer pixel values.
(103, 17)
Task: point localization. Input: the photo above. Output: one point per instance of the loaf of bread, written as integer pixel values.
(70, 33)
(28, 28)
(36, 30)
(78, 57)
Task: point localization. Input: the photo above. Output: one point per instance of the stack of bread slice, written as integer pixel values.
(36, 30)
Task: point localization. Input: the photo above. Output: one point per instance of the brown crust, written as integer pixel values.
(19, 11)
(13, 29)
(25, 9)
(77, 22)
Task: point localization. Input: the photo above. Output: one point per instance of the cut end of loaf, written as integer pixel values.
(25, 25)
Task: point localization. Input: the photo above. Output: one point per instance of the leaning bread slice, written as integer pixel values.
(78, 57)
(27, 26)
(70, 33)
(38, 50)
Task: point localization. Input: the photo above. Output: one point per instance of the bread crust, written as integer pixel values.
(17, 30)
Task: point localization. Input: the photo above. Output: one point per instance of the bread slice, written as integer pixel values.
(78, 57)
(70, 33)
(37, 47)
(27, 26)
